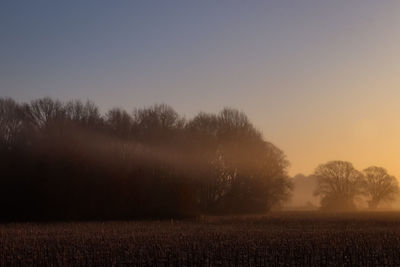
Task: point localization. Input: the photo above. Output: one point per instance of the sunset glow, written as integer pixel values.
(200, 133)
(320, 79)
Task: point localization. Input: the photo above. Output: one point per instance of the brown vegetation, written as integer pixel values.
(279, 239)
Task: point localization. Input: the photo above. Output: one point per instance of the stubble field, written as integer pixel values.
(277, 239)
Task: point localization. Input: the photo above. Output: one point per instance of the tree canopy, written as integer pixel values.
(65, 160)
(379, 186)
(339, 185)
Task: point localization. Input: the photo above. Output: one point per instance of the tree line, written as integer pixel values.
(340, 185)
(66, 160)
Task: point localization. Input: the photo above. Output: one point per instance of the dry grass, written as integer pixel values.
(279, 239)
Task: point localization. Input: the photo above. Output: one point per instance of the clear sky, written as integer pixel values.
(321, 79)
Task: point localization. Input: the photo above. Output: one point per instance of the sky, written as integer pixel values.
(320, 79)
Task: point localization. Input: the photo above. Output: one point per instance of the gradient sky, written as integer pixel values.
(321, 79)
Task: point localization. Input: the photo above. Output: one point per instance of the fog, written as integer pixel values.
(303, 193)
(66, 160)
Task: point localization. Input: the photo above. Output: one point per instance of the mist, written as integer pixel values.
(65, 160)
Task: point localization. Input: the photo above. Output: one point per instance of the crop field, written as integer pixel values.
(277, 239)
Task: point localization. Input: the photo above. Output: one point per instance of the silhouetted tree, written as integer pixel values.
(120, 122)
(249, 174)
(338, 183)
(42, 112)
(157, 123)
(379, 186)
(64, 160)
(11, 122)
(83, 114)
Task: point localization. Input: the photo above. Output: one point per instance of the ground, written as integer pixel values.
(306, 238)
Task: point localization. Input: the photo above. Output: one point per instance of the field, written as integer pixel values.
(278, 239)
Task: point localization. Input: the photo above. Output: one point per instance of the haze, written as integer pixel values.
(319, 78)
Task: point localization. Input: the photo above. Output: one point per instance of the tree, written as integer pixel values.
(158, 123)
(245, 173)
(379, 186)
(338, 183)
(83, 114)
(255, 169)
(120, 122)
(11, 121)
(65, 160)
(42, 112)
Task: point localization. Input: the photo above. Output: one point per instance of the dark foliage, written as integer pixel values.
(67, 161)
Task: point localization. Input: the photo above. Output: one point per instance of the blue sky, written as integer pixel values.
(319, 78)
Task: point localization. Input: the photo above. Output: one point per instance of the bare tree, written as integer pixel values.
(379, 186)
(83, 113)
(248, 174)
(157, 123)
(11, 121)
(150, 163)
(120, 122)
(338, 183)
(43, 111)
